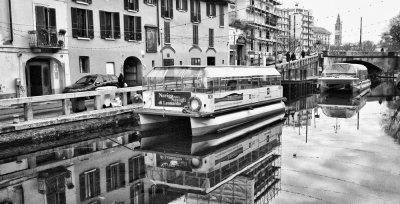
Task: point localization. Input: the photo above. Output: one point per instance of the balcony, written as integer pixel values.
(46, 40)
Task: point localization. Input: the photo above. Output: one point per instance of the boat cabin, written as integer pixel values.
(208, 89)
(339, 70)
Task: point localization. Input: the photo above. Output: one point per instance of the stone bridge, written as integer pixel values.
(376, 62)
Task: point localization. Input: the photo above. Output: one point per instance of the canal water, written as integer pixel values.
(331, 148)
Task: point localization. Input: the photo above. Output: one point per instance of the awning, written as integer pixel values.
(213, 72)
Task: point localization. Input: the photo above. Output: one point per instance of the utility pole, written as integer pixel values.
(361, 34)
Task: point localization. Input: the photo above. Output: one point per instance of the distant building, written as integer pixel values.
(283, 29)
(253, 29)
(322, 38)
(338, 32)
(301, 33)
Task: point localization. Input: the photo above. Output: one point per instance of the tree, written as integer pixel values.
(368, 46)
(394, 29)
(390, 40)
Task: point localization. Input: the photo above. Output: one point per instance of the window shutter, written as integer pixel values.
(102, 24)
(121, 174)
(138, 25)
(194, 34)
(108, 178)
(130, 169)
(74, 22)
(90, 23)
(171, 9)
(208, 8)
(185, 5)
(167, 32)
(141, 163)
(192, 11)
(126, 27)
(163, 2)
(97, 182)
(221, 15)
(214, 9)
(40, 17)
(136, 5)
(126, 5)
(117, 31)
(82, 186)
(177, 5)
(211, 37)
(198, 11)
(52, 17)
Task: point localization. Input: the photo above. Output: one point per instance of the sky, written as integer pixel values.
(376, 15)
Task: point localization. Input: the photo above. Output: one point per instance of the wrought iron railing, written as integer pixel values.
(45, 38)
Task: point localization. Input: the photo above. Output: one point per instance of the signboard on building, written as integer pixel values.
(171, 99)
(151, 40)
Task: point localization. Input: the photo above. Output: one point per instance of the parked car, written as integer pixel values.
(91, 82)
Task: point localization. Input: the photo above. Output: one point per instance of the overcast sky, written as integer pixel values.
(375, 13)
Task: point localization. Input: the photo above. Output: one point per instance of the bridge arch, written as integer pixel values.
(372, 68)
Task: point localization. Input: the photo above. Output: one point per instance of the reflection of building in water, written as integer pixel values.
(343, 105)
(239, 172)
(69, 170)
(301, 110)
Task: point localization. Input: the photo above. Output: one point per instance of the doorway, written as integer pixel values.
(133, 71)
(211, 61)
(39, 78)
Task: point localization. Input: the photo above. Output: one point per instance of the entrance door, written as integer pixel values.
(132, 72)
(211, 61)
(39, 77)
(239, 54)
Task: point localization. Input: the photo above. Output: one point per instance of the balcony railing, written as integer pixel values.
(46, 39)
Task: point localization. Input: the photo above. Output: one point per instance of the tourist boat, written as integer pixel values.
(212, 98)
(345, 77)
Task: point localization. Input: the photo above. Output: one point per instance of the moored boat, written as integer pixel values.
(344, 77)
(212, 98)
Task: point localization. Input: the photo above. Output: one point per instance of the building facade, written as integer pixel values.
(301, 33)
(253, 31)
(283, 27)
(33, 48)
(338, 32)
(322, 38)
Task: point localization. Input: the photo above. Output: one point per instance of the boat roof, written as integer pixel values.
(344, 68)
(223, 71)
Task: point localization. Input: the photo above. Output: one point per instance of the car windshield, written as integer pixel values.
(87, 80)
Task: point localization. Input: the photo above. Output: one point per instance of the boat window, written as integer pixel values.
(231, 85)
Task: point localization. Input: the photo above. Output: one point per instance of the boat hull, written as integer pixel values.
(206, 125)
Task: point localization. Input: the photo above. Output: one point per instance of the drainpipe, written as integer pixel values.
(11, 24)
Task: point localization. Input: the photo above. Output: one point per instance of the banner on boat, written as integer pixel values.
(230, 97)
(171, 99)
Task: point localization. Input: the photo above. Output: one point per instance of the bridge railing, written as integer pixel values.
(360, 53)
(98, 96)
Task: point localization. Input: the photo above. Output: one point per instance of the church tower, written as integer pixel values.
(338, 32)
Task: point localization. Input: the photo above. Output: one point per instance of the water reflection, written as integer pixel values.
(119, 164)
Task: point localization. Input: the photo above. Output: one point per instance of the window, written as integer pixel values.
(82, 23)
(131, 5)
(109, 25)
(167, 34)
(89, 184)
(149, 2)
(167, 9)
(195, 35)
(211, 9)
(46, 27)
(267, 35)
(182, 5)
(137, 169)
(132, 28)
(259, 46)
(168, 62)
(137, 193)
(221, 15)
(115, 176)
(110, 68)
(196, 61)
(252, 39)
(55, 189)
(84, 64)
(211, 37)
(195, 12)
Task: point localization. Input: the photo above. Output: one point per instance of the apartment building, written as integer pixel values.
(33, 47)
(301, 33)
(283, 27)
(322, 38)
(253, 24)
(194, 32)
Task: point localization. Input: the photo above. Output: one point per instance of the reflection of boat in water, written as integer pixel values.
(212, 98)
(244, 169)
(345, 77)
(343, 105)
